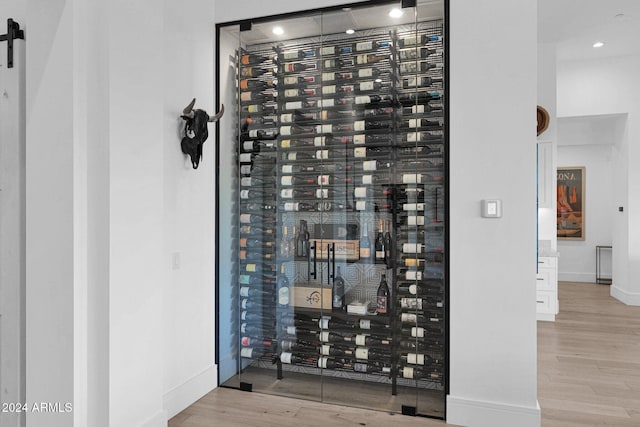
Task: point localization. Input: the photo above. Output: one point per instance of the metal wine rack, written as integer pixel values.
(289, 103)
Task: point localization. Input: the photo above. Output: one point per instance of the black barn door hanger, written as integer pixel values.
(13, 32)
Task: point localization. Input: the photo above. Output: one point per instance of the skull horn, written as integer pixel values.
(189, 107)
(217, 116)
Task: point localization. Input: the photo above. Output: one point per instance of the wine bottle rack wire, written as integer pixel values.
(283, 90)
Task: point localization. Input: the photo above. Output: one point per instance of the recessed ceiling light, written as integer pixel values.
(598, 44)
(350, 31)
(396, 13)
(278, 31)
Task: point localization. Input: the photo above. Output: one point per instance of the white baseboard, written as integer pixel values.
(477, 413)
(576, 277)
(629, 298)
(179, 398)
(548, 317)
(158, 420)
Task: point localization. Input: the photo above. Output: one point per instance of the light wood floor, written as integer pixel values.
(588, 374)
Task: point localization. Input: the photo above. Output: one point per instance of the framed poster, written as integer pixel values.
(570, 209)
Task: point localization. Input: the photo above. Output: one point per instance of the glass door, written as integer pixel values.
(332, 203)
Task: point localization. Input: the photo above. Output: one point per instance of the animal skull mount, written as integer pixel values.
(195, 131)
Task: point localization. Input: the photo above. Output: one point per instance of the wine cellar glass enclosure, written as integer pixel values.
(332, 206)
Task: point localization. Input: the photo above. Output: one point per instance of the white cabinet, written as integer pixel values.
(545, 174)
(547, 288)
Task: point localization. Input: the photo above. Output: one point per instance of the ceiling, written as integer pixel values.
(575, 25)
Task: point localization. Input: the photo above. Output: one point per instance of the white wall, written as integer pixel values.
(547, 94)
(601, 87)
(493, 261)
(12, 220)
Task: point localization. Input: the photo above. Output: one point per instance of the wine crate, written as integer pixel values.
(311, 297)
(345, 249)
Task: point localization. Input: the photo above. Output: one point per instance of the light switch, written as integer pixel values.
(492, 208)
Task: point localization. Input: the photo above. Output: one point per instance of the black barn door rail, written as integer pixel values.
(13, 32)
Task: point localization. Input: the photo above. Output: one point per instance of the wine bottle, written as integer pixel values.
(248, 328)
(255, 280)
(247, 316)
(328, 363)
(284, 243)
(302, 243)
(415, 53)
(418, 373)
(257, 146)
(379, 249)
(296, 193)
(296, 346)
(382, 295)
(370, 340)
(339, 303)
(417, 40)
(296, 359)
(334, 350)
(370, 45)
(296, 80)
(246, 291)
(254, 96)
(367, 205)
(296, 105)
(326, 206)
(249, 218)
(368, 85)
(369, 58)
(249, 341)
(249, 304)
(327, 322)
(254, 71)
(365, 353)
(259, 134)
(292, 242)
(259, 108)
(361, 125)
(256, 84)
(374, 165)
(340, 76)
(388, 255)
(258, 193)
(371, 152)
(414, 97)
(283, 288)
(331, 336)
(371, 192)
(420, 81)
(329, 64)
(255, 243)
(416, 67)
(297, 54)
(371, 368)
(299, 207)
(335, 50)
(245, 255)
(415, 359)
(330, 128)
(294, 93)
(290, 169)
(292, 67)
(251, 353)
(257, 267)
(422, 123)
(250, 181)
(420, 303)
(372, 99)
(289, 180)
(250, 59)
(256, 230)
(365, 244)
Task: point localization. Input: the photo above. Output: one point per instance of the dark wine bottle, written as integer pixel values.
(328, 363)
(418, 39)
(256, 84)
(331, 336)
(252, 353)
(297, 168)
(340, 76)
(293, 67)
(249, 341)
(246, 291)
(299, 207)
(333, 350)
(388, 254)
(371, 152)
(329, 64)
(258, 97)
(414, 97)
(368, 86)
(256, 230)
(255, 243)
(418, 373)
(259, 134)
(372, 99)
(416, 67)
(258, 146)
(249, 218)
(296, 193)
(415, 53)
(371, 192)
(333, 323)
(371, 368)
(362, 125)
(370, 58)
(250, 59)
(370, 340)
(339, 303)
(382, 295)
(335, 50)
(296, 359)
(364, 353)
(259, 108)
(294, 93)
(297, 80)
(420, 81)
(297, 54)
(302, 242)
(249, 304)
(379, 250)
(259, 207)
(245, 255)
(415, 359)
(289, 180)
(254, 71)
(255, 280)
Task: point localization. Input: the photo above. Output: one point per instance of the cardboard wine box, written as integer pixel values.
(311, 297)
